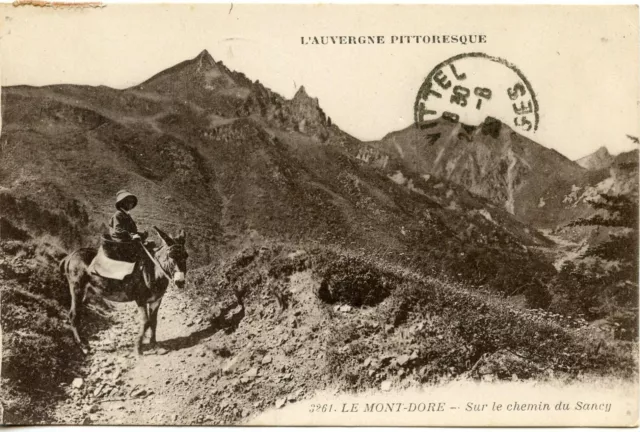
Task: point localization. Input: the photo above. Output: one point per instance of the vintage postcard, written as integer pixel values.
(237, 214)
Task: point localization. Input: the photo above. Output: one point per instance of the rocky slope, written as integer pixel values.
(619, 177)
(597, 160)
(219, 363)
(527, 179)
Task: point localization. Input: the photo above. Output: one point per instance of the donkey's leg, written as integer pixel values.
(77, 295)
(144, 325)
(153, 318)
(73, 316)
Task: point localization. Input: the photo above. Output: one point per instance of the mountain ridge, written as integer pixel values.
(493, 161)
(599, 159)
(217, 160)
(509, 169)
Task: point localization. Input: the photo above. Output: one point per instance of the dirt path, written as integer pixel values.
(214, 367)
(161, 386)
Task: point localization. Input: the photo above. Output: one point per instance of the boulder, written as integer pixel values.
(402, 360)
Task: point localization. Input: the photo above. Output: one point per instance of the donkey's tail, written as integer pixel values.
(62, 266)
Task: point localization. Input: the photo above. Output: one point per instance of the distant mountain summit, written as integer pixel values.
(204, 81)
(201, 70)
(597, 160)
(204, 60)
(306, 111)
(492, 160)
(220, 93)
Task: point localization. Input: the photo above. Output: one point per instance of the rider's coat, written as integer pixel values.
(122, 226)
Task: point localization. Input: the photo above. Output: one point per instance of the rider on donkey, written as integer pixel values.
(122, 227)
(124, 270)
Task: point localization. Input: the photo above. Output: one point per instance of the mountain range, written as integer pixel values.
(530, 181)
(208, 149)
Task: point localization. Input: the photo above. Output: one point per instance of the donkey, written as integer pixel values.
(145, 285)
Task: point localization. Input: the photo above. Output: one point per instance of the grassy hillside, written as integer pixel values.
(355, 322)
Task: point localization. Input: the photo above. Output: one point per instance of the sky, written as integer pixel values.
(581, 62)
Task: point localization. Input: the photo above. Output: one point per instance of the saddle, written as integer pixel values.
(115, 259)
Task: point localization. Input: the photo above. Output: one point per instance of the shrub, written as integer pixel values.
(351, 280)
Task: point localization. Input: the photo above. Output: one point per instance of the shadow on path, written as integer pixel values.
(228, 319)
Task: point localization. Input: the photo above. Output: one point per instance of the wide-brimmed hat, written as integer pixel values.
(125, 195)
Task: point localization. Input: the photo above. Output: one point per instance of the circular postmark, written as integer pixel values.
(470, 87)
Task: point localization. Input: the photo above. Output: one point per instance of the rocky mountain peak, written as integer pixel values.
(602, 150)
(204, 60)
(491, 160)
(491, 126)
(306, 114)
(599, 159)
(204, 82)
(302, 96)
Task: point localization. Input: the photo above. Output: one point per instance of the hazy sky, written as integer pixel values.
(581, 61)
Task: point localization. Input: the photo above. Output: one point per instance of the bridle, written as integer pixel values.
(157, 264)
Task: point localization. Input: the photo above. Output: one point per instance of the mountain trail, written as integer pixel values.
(213, 365)
(157, 388)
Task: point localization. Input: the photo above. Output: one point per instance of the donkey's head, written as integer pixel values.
(172, 256)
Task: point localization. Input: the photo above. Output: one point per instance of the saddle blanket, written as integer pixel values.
(109, 268)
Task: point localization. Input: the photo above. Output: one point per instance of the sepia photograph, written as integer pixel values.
(339, 215)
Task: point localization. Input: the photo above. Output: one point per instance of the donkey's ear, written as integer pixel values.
(165, 238)
(180, 238)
